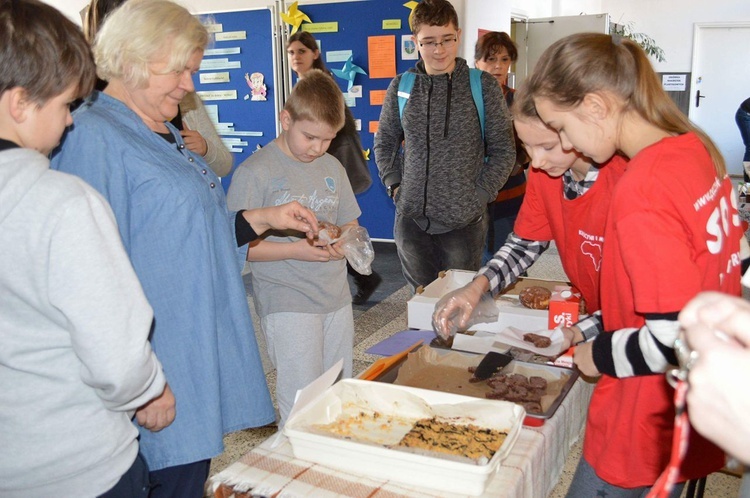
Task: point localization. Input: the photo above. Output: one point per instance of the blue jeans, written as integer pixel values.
(586, 483)
(424, 255)
(742, 118)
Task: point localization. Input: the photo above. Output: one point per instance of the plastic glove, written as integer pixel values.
(462, 308)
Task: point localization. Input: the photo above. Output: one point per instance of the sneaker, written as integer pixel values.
(366, 285)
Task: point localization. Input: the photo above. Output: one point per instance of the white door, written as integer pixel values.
(721, 73)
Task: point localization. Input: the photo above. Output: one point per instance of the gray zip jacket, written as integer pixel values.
(445, 181)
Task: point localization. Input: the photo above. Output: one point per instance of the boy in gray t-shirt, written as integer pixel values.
(300, 288)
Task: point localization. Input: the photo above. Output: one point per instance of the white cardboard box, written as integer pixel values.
(373, 457)
(511, 313)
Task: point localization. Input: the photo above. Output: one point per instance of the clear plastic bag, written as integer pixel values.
(447, 324)
(357, 247)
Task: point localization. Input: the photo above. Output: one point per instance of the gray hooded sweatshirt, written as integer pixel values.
(445, 181)
(75, 360)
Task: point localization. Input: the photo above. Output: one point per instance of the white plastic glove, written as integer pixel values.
(462, 308)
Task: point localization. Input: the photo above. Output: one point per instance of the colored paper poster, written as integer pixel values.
(377, 97)
(231, 36)
(374, 126)
(408, 48)
(321, 27)
(381, 53)
(391, 23)
(338, 55)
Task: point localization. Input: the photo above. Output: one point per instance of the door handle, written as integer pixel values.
(698, 98)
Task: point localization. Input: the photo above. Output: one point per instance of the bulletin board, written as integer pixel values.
(241, 43)
(356, 23)
(341, 28)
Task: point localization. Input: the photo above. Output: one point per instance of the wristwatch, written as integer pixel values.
(391, 189)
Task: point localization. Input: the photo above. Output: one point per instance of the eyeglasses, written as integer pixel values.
(433, 45)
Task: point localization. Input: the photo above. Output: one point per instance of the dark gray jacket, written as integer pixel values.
(445, 182)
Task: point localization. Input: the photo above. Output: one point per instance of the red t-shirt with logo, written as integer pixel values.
(673, 231)
(576, 226)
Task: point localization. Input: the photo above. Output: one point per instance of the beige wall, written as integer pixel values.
(670, 23)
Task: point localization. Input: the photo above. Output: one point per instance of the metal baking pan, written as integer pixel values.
(447, 371)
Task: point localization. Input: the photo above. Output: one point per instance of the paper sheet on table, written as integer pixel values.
(315, 388)
(514, 337)
(480, 344)
(310, 392)
(511, 336)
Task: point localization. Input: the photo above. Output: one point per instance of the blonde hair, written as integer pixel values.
(141, 32)
(317, 98)
(586, 63)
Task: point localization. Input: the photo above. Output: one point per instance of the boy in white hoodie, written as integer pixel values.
(75, 361)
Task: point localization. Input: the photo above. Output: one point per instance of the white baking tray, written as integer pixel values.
(370, 456)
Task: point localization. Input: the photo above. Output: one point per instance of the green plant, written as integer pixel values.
(646, 42)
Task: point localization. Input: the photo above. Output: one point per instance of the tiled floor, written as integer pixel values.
(385, 315)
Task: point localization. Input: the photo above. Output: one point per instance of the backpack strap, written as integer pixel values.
(475, 77)
(404, 91)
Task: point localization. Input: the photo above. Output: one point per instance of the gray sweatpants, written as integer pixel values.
(302, 346)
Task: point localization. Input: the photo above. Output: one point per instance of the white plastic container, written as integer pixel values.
(374, 459)
(511, 312)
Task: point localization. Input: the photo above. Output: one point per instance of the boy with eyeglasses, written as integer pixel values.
(449, 169)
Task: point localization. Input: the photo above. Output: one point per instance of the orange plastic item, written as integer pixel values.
(378, 366)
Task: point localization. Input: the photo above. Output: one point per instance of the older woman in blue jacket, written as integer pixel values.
(184, 244)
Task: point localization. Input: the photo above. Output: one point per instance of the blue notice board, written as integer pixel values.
(357, 21)
(245, 40)
(243, 45)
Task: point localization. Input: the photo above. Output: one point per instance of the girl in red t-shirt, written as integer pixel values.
(672, 231)
(566, 201)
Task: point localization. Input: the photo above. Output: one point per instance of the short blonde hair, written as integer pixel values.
(141, 32)
(317, 98)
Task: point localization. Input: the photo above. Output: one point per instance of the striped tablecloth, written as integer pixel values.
(531, 469)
